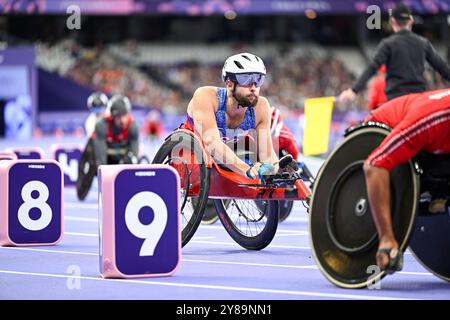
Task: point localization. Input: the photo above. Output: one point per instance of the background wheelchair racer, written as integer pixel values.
(115, 140)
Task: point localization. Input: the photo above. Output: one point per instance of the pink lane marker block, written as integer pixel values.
(68, 156)
(31, 203)
(28, 153)
(140, 221)
(8, 156)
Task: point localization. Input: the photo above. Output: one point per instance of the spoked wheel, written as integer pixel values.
(251, 223)
(184, 153)
(87, 169)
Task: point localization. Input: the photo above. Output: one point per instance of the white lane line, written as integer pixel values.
(95, 220)
(235, 244)
(183, 260)
(293, 234)
(69, 218)
(95, 235)
(50, 251)
(297, 219)
(252, 264)
(220, 227)
(79, 234)
(415, 273)
(214, 287)
(80, 205)
(204, 237)
(196, 260)
(299, 232)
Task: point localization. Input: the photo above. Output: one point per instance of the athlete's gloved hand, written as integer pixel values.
(258, 170)
(266, 169)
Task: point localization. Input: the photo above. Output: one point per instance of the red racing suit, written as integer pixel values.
(419, 121)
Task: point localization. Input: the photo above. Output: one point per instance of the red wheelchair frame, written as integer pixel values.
(231, 185)
(227, 187)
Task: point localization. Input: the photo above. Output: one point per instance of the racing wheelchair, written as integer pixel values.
(343, 236)
(285, 206)
(87, 167)
(247, 208)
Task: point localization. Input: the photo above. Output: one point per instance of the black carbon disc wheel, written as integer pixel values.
(430, 244)
(174, 152)
(342, 233)
(87, 170)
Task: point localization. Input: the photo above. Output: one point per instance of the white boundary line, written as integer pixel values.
(200, 261)
(69, 218)
(94, 235)
(183, 259)
(81, 205)
(50, 251)
(237, 245)
(206, 227)
(214, 287)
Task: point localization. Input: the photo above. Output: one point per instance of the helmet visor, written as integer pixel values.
(246, 79)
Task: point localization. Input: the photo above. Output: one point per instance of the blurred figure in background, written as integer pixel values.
(18, 121)
(96, 104)
(116, 137)
(404, 53)
(23, 6)
(282, 137)
(376, 95)
(114, 141)
(153, 126)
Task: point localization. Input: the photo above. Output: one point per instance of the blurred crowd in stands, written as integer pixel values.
(168, 87)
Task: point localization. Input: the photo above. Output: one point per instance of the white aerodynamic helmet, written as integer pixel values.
(242, 63)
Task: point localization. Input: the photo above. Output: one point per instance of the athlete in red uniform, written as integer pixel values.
(153, 127)
(419, 122)
(283, 139)
(116, 136)
(115, 140)
(376, 95)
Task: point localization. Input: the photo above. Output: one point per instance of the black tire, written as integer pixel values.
(262, 237)
(87, 170)
(343, 236)
(165, 156)
(144, 160)
(210, 214)
(285, 209)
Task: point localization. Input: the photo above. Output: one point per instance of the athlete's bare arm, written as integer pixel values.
(266, 153)
(201, 109)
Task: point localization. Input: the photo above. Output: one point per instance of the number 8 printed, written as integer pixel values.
(40, 203)
(152, 232)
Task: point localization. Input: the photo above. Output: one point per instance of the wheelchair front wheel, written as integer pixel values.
(251, 223)
(184, 153)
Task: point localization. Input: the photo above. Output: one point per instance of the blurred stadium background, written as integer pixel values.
(158, 52)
